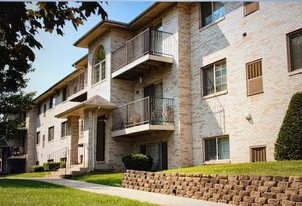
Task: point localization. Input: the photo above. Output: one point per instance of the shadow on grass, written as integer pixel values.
(15, 183)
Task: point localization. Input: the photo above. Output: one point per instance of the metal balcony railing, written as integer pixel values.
(155, 111)
(77, 84)
(64, 155)
(149, 41)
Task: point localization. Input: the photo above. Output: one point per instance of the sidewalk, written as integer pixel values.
(129, 193)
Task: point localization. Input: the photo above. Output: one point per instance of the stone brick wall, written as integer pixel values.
(224, 114)
(231, 189)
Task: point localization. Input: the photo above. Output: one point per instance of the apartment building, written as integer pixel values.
(187, 83)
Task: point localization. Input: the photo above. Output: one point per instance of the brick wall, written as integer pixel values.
(231, 189)
(265, 39)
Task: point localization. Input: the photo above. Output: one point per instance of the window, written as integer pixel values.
(64, 94)
(258, 154)
(214, 78)
(210, 12)
(81, 125)
(44, 109)
(51, 102)
(295, 50)
(250, 7)
(217, 148)
(64, 129)
(38, 138)
(99, 68)
(51, 133)
(39, 109)
(43, 141)
(254, 77)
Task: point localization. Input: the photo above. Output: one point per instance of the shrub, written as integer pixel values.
(37, 168)
(289, 141)
(62, 165)
(51, 166)
(138, 162)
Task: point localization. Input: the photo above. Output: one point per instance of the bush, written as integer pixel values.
(62, 165)
(138, 162)
(37, 168)
(51, 166)
(289, 141)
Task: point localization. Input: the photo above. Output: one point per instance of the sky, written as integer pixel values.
(55, 60)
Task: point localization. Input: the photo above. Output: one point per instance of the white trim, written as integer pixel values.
(140, 60)
(142, 128)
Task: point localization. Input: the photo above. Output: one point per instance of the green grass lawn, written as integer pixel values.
(105, 179)
(25, 192)
(27, 175)
(280, 168)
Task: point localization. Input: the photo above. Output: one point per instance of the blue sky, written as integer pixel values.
(54, 61)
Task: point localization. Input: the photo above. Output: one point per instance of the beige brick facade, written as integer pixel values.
(236, 38)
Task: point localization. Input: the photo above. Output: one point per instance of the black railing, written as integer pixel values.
(149, 41)
(155, 111)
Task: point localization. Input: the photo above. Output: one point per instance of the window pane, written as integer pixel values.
(208, 81)
(210, 149)
(206, 12)
(218, 10)
(223, 148)
(103, 70)
(296, 51)
(96, 76)
(100, 56)
(220, 76)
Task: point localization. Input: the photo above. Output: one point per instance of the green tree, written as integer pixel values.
(289, 141)
(19, 23)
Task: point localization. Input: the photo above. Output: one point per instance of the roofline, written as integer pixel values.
(81, 59)
(116, 23)
(143, 13)
(56, 84)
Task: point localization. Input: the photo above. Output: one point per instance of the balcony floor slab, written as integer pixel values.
(142, 128)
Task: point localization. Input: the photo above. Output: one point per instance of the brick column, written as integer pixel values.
(89, 125)
(184, 87)
(74, 130)
(31, 139)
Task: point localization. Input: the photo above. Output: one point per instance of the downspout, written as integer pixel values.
(93, 139)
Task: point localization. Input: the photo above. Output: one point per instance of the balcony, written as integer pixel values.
(148, 51)
(143, 115)
(77, 84)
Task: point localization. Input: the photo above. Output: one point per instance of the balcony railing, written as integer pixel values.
(78, 83)
(155, 111)
(148, 42)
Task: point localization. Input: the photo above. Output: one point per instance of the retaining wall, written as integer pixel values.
(237, 190)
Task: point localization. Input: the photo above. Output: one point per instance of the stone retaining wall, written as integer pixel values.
(237, 190)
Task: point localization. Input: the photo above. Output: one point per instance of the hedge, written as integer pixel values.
(138, 162)
(37, 168)
(289, 141)
(51, 166)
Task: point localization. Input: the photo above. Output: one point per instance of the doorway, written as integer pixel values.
(155, 94)
(159, 153)
(100, 139)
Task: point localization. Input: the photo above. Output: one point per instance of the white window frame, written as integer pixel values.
(290, 55)
(213, 66)
(64, 129)
(202, 24)
(99, 68)
(51, 136)
(217, 148)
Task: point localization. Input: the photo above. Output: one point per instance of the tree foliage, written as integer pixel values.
(289, 141)
(19, 23)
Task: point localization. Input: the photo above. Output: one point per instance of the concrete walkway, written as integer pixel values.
(129, 193)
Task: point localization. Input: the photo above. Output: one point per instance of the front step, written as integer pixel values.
(68, 173)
